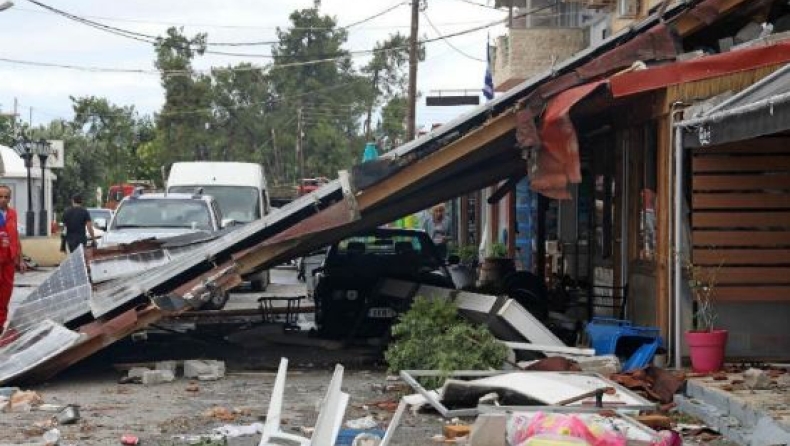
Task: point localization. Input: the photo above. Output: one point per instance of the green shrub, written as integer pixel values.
(431, 336)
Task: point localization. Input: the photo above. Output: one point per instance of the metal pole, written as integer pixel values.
(30, 216)
(677, 235)
(412, 95)
(300, 150)
(42, 216)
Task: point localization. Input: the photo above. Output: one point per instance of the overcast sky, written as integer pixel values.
(30, 33)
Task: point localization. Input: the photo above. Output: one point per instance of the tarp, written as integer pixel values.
(558, 164)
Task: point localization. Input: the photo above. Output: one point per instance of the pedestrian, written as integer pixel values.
(77, 222)
(437, 225)
(10, 252)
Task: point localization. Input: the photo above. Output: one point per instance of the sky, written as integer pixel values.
(32, 34)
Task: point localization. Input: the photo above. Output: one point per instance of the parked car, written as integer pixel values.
(101, 217)
(159, 215)
(345, 299)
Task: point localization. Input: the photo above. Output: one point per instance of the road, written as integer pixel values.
(159, 413)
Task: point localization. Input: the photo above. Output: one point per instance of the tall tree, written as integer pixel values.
(242, 102)
(330, 93)
(187, 112)
(388, 74)
(391, 128)
(111, 138)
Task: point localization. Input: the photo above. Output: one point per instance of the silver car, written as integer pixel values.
(159, 215)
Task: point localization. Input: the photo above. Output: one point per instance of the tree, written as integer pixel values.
(106, 145)
(331, 95)
(242, 102)
(187, 111)
(392, 126)
(388, 74)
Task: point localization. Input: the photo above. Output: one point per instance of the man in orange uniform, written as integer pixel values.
(10, 252)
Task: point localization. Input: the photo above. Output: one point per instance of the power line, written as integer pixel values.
(147, 38)
(458, 50)
(250, 27)
(486, 25)
(470, 2)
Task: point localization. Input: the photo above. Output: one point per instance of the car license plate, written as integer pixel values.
(382, 313)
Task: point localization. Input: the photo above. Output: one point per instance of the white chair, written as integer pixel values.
(330, 418)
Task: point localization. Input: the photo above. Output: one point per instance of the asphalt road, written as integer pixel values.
(162, 414)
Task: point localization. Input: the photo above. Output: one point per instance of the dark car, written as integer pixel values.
(345, 298)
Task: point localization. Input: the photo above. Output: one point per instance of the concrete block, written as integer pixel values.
(209, 377)
(137, 372)
(767, 432)
(167, 365)
(489, 430)
(153, 377)
(744, 412)
(193, 368)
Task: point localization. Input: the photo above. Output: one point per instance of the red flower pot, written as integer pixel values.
(706, 349)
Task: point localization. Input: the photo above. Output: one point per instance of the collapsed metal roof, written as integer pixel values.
(118, 291)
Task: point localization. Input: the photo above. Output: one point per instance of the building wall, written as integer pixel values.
(524, 53)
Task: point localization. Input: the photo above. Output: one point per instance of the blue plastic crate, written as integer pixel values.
(606, 333)
(347, 436)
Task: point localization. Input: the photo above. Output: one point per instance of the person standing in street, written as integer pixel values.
(10, 252)
(77, 222)
(437, 225)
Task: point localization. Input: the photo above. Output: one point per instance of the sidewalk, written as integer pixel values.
(753, 417)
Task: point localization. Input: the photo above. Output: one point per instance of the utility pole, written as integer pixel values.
(278, 173)
(300, 149)
(16, 114)
(411, 112)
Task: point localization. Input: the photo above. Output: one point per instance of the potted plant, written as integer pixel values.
(496, 265)
(706, 343)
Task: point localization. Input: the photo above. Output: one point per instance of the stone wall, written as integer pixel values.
(526, 52)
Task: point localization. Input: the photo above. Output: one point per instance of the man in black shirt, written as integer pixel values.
(77, 220)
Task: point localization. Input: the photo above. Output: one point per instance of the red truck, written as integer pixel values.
(117, 191)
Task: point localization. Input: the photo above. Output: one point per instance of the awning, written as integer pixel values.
(763, 109)
(558, 164)
(699, 69)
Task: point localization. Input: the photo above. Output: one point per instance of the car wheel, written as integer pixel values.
(217, 301)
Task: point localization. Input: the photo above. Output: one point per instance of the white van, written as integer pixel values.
(239, 188)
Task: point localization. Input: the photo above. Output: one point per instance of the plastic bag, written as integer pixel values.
(521, 427)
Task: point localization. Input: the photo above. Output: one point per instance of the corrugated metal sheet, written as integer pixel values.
(62, 297)
(122, 305)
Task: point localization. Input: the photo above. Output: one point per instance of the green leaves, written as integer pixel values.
(431, 336)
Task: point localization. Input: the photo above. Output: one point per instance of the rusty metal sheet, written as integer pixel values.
(654, 45)
(39, 343)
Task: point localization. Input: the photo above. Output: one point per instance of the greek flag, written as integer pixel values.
(488, 88)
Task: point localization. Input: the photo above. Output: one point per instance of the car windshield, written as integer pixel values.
(398, 248)
(240, 203)
(106, 214)
(164, 213)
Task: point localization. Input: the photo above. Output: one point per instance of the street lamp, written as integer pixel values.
(43, 149)
(24, 148)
